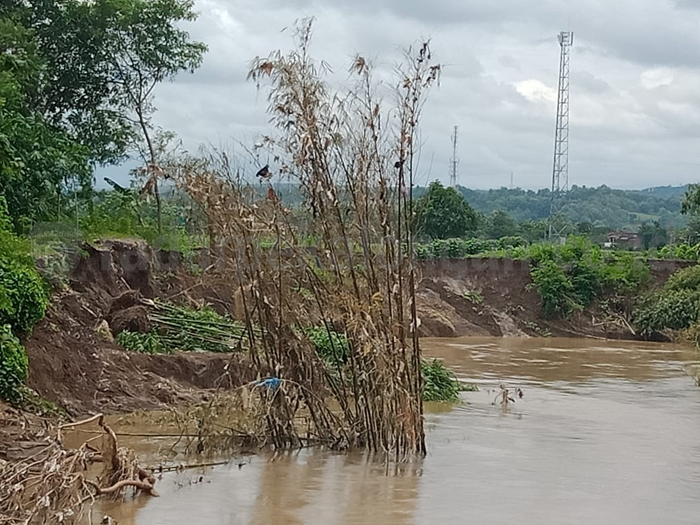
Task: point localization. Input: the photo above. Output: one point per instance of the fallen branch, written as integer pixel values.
(77, 424)
(141, 485)
(175, 468)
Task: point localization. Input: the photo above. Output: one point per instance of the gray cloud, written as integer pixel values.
(635, 106)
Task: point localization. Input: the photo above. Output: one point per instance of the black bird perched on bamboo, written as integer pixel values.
(264, 172)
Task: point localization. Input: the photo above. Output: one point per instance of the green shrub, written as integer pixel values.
(686, 279)
(439, 248)
(540, 253)
(454, 248)
(625, 273)
(555, 289)
(23, 296)
(14, 366)
(585, 280)
(674, 309)
(440, 383)
(512, 242)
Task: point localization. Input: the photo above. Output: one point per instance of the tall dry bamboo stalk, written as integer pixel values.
(353, 158)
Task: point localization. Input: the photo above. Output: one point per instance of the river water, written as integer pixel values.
(606, 432)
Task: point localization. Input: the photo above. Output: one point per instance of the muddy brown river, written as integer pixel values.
(606, 432)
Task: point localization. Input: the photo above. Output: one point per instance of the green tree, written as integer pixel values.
(442, 213)
(37, 159)
(76, 85)
(150, 48)
(533, 231)
(653, 235)
(500, 225)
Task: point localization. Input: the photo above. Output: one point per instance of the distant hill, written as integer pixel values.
(602, 206)
(668, 191)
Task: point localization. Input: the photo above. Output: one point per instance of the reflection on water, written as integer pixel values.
(606, 433)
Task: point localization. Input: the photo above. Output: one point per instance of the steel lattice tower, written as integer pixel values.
(454, 161)
(560, 171)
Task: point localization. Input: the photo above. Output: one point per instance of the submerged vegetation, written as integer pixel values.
(441, 383)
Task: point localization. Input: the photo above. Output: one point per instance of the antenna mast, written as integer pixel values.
(560, 171)
(454, 161)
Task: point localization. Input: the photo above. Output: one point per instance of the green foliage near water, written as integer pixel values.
(568, 277)
(440, 383)
(675, 307)
(572, 276)
(670, 309)
(555, 288)
(331, 346)
(13, 366)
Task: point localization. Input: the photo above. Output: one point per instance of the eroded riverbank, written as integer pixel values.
(606, 433)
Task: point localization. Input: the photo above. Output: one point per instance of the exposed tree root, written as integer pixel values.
(51, 486)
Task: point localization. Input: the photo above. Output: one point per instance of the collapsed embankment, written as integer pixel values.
(75, 363)
(486, 296)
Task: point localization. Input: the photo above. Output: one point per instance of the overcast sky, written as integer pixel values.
(635, 81)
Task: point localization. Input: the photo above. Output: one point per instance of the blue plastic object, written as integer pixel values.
(272, 383)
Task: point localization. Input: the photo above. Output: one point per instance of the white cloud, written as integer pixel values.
(653, 78)
(536, 91)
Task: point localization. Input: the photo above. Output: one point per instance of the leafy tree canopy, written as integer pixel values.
(76, 80)
(499, 225)
(442, 213)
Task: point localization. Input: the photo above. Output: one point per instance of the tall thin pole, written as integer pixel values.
(454, 161)
(560, 169)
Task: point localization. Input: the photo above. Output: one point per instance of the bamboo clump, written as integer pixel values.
(352, 156)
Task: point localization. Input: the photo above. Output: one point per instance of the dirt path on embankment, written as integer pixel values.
(75, 363)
